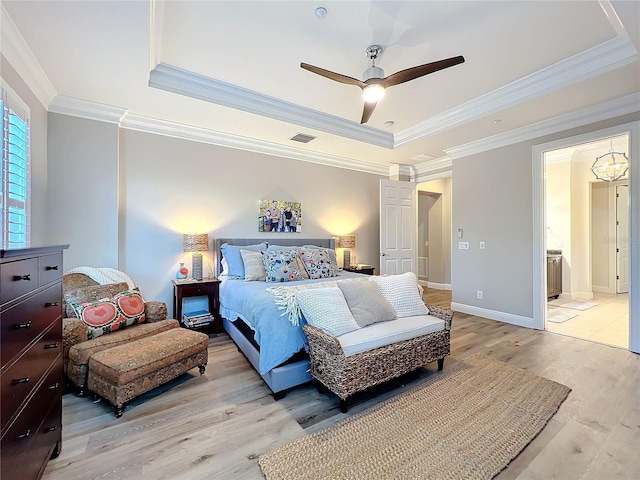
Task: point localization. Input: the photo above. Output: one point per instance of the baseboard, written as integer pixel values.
(581, 295)
(439, 286)
(493, 315)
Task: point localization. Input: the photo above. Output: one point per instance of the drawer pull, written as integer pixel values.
(24, 435)
(51, 429)
(18, 381)
(53, 387)
(51, 267)
(49, 346)
(51, 304)
(22, 277)
(18, 326)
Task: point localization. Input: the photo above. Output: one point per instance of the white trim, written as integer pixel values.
(156, 22)
(19, 55)
(439, 286)
(87, 109)
(177, 80)
(401, 172)
(539, 287)
(606, 56)
(595, 113)
(145, 124)
(493, 315)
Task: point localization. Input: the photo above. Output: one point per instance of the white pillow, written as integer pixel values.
(402, 292)
(326, 309)
(253, 266)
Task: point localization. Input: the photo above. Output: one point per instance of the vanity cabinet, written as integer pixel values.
(31, 360)
(554, 275)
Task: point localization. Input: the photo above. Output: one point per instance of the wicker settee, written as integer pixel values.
(346, 375)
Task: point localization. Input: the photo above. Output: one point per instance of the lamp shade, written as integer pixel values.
(347, 241)
(197, 242)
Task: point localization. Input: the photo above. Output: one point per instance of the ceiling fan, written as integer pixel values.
(374, 82)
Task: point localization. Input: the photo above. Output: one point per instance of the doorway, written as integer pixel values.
(586, 229)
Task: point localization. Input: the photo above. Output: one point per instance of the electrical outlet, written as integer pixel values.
(481, 245)
(479, 294)
(463, 245)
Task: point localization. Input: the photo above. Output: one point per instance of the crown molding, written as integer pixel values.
(433, 169)
(146, 124)
(602, 111)
(602, 58)
(177, 80)
(87, 109)
(20, 56)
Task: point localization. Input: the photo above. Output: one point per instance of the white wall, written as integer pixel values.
(558, 214)
(600, 236)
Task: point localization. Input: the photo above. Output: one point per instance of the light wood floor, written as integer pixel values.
(607, 322)
(215, 426)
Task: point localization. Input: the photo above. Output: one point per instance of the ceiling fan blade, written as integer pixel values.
(369, 107)
(419, 71)
(333, 76)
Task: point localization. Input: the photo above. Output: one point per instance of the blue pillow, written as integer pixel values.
(234, 258)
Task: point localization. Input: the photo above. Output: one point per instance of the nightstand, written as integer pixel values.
(363, 270)
(207, 287)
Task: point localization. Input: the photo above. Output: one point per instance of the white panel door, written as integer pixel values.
(398, 227)
(622, 238)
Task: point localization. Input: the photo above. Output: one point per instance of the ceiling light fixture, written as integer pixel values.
(372, 93)
(321, 12)
(389, 123)
(611, 166)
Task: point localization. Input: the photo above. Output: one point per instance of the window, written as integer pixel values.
(14, 188)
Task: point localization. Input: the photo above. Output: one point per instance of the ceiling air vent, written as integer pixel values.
(302, 138)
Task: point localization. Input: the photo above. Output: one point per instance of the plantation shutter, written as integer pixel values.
(14, 197)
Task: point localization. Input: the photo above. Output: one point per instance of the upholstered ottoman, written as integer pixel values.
(123, 372)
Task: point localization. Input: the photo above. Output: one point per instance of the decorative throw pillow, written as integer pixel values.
(234, 258)
(291, 248)
(401, 291)
(253, 266)
(282, 266)
(332, 256)
(366, 303)
(111, 314)
(326, 309)
(317, 263)
(90, 294)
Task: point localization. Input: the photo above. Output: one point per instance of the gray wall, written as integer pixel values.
(38, 132)
(83, 190)
(492, 202)
(127, 197)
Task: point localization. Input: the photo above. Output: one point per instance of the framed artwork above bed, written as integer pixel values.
(279, 216)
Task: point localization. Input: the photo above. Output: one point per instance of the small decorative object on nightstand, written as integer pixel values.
(207, 287)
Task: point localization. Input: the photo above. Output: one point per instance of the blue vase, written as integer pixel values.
(182, 272)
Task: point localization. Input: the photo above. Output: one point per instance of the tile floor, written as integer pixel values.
(607, 323)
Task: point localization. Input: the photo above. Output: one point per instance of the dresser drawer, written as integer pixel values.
(37, 428)
(20, 379)
(24, 322)
(49, 268)
(18, 278)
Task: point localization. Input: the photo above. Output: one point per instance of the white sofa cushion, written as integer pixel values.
(385, 333)
(402, 292)
(326, 309)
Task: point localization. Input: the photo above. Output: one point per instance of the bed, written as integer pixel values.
(271, 343)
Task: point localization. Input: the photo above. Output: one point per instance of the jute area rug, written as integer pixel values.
(467, 422)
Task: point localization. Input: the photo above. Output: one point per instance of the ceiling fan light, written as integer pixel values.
(372, 93)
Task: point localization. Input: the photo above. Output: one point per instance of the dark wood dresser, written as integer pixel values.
(31, 359)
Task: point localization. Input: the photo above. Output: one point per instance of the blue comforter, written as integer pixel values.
(250, 301)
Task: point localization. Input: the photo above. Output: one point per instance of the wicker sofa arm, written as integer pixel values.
(442, 313)
(155, 311)
(329, 344)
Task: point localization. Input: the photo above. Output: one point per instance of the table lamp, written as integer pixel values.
(197, 242)
(346, 242)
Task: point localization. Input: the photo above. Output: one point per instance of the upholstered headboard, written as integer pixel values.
(285, 241)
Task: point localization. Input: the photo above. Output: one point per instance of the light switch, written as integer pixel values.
(463, 245)
(459, 233)
(481, 244)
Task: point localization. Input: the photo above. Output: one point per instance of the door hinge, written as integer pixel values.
(617, 222)
(617, 195)
(617, 277)
(617, 250)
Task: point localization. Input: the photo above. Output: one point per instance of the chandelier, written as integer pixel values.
(611, 166)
